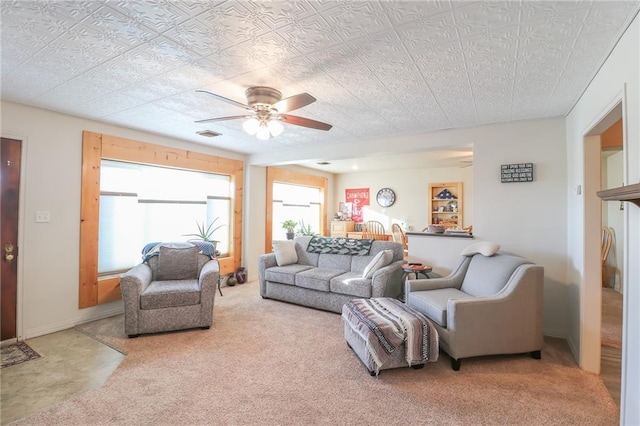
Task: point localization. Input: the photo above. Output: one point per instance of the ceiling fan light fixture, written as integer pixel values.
(263, 132)
(251, 126)
(275, 127)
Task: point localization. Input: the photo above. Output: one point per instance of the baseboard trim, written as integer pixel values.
(72, 322)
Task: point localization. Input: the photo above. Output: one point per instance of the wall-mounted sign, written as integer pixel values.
(359, 197)
(521, 172)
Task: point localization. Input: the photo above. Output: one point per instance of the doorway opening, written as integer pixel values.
(612, 168)
(604, 224)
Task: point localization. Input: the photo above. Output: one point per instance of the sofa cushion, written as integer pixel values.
(316, 278)
(341, 262)
(433, 303)
(380, 260)
(486, 276)
(285, 274)
(170, 293)
(285, 252)
(177, 263)
(352, 284)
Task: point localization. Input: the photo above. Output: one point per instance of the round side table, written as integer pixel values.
(416, 270)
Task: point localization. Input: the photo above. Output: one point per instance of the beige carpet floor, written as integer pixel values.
(611, 318)
(270, 363)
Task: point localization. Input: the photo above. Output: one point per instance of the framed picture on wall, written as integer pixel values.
(346, 209)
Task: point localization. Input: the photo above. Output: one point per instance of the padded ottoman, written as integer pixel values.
(379, 331)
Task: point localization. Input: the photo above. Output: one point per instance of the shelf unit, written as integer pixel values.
(441, 211)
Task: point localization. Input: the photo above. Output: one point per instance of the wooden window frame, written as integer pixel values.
(290, 177)
(94, 290)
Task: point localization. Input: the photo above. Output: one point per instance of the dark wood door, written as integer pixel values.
(10, 192)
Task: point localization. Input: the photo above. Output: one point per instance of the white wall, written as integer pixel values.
(48, 261)
(617, 80)
(410, 186)
(525, 218)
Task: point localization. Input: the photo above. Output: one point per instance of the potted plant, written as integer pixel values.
(290, 226)
(205, 233)
(305, 230)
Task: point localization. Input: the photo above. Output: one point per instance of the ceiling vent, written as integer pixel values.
(323, 163)
(209, 133)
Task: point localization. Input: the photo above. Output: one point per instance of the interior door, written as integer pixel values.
(9, 201)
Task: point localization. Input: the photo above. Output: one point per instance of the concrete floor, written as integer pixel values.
(70, 362)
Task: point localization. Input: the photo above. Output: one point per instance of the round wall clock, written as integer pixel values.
(386, 197)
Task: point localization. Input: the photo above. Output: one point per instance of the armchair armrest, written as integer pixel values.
(132, 284)
(135, 280)
(453, 280)
(209, 275)
(424, 284)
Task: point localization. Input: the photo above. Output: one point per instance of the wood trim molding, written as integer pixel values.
(275, 174)
(94, 290)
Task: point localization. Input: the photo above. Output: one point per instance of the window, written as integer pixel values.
(96, 147)
(140, 204)
(296, 196)
(298, 203)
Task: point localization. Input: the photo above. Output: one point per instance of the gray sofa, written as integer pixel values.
(326, 281)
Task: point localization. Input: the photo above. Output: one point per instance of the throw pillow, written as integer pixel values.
(380, 260)
(285, 252)
(177, 263)
(485, 248)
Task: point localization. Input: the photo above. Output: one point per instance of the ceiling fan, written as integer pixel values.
(268, 110)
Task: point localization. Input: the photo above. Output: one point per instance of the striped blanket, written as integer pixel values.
(385, 324)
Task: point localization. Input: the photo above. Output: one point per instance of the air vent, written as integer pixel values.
(323, 163)
(209, 133)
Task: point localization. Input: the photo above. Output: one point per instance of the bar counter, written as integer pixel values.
(440, 251)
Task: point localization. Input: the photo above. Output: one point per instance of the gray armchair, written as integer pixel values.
(173, 289)
(489, 305)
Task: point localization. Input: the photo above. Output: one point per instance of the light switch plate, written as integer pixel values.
(43, 216)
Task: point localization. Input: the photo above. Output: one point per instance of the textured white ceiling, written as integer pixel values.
(378, 68)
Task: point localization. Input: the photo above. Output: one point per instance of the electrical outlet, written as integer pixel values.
(43, 217)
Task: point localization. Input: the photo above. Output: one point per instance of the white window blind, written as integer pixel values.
(296, 202)
(140, 204)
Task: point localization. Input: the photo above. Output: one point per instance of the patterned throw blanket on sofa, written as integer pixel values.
(386, 323)
(352, 246)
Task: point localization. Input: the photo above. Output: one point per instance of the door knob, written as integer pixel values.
(8, 252)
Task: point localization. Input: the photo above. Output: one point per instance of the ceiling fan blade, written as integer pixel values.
(305, 122)
(294, 102)
(231, 117)
(230, 101)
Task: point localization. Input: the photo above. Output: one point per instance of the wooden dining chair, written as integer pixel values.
(607, 239)
(372, 228)
(400, 237)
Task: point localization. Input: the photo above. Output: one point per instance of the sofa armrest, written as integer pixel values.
(265, 261)
(387, 281)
